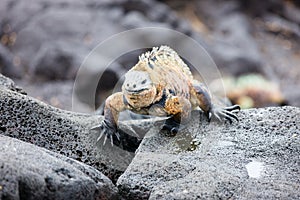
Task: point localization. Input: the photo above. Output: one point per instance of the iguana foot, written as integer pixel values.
(227, 113)
(108, 131)
(171, 126)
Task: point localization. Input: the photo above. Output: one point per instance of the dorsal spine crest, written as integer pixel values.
(164, 54)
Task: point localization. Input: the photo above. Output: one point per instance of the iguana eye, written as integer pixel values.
(144, 81)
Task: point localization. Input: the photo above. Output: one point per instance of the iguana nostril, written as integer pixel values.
(134, 85)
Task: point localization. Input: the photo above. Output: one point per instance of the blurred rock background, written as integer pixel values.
(254, 43)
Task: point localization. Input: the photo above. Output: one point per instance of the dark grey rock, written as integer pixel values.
(257, 158)
(232, 46)
(71, 29)
(63, 132)
(52, 63)
(55, 37)
(9, 84)
(283, 9)
(235, 48)
(259, 8)
(30, 172)
(6, 63)
(137, 19)
(56, 93)
(282, 26)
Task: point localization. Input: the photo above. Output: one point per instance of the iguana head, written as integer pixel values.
(138, 89)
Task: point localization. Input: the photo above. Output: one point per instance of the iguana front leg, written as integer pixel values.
(201, 97)
(114, 104)
(180, 109)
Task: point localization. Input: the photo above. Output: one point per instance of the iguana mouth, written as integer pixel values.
(141, 97)
(136, 91)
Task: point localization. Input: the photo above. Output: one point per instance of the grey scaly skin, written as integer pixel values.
(161, 84)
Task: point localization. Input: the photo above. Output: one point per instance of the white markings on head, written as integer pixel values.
(137, 81)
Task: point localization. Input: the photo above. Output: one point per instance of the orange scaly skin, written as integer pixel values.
(161, 84)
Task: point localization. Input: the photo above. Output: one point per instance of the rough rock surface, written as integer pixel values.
(257, 158)
(9, 84)
(60, 131)
(31, 172)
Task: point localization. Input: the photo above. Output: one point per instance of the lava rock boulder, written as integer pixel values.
(31, 172)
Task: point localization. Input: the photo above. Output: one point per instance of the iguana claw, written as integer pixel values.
(106, 130)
